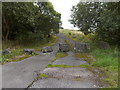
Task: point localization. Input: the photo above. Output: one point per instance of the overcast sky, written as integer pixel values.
(63, 7)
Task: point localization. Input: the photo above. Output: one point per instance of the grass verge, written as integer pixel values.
(107, 61)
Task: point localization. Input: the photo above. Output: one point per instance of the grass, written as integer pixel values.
(73, 34)
(107, 60)
(59, 55)
(66, 41)
(77, 79)
(77, 35)
(17, 49)
(63, 66)
(16, 55)
(42, 75)
(0, 45)
(36, 45)
(67, 66)
(15, 52)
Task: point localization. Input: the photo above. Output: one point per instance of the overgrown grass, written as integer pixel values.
(73, 34)
(78, 35)
(59, 55)
(36, 45)
(17, 49)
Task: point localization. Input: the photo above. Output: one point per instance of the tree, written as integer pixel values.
(109, 23)
(27, 20)
(85, 16)
(101, 18)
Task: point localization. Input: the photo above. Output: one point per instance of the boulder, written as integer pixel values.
(63, 47)
(29, 51)
(103, 45)
(47, 49)
(82, 47)
(6, 51)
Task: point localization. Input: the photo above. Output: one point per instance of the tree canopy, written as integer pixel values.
(28, 20)
(103, 19)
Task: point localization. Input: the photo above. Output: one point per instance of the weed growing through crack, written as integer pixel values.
(59, 55)
(67, 66)
(42, 75)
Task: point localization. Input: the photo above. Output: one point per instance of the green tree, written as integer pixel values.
(29, 21)
(85, 16)
(109, 23)
(101, 18)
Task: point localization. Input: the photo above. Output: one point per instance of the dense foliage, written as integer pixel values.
(23, 21)
(103, 19)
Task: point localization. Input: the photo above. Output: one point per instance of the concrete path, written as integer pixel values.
(73, 77)
(21, 74)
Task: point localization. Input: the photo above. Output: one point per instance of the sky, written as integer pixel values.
(64, 7)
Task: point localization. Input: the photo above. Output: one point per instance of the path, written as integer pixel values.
(72, 77)
(21, 74)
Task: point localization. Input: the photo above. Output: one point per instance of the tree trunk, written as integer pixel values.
(7, 29)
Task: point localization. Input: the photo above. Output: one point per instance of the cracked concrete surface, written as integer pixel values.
(21, 74)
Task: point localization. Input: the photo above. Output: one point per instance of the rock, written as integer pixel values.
(47, 49)
(103, 45)
(64, 47)
(29, 51)
(81, 47)
(6, 51)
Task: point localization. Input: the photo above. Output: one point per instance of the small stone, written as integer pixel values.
(47, 49)
(29, 51)
(6, 51)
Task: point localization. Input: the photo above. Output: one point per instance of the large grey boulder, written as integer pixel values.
(29, 51)
(63, 47)
(47, 49)
(6, 51)
(103, 45)
(82, 47)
